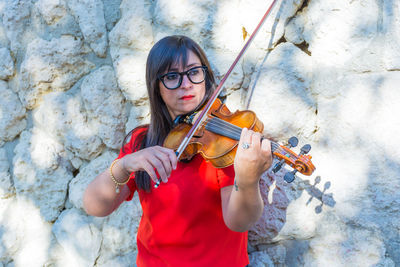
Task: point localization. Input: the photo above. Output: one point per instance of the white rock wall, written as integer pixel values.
(72, 85)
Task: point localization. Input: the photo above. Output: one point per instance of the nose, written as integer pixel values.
(186, 83)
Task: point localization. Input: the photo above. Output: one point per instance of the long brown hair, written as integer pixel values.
(166, 52)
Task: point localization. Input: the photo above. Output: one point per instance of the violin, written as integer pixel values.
(217, 138)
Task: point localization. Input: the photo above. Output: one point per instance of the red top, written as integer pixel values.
(182, 223)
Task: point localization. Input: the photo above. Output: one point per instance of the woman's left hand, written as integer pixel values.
(252, 159)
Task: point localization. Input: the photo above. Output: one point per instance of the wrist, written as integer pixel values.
(116, 173)
(124, 168)
(246, 184)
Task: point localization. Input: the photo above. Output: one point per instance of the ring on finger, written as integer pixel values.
(245, 145)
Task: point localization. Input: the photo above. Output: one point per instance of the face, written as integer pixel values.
(188, 95)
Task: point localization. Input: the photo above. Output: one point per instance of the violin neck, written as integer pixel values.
(221, 127)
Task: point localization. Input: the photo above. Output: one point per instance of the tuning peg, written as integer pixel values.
(289, 176)
(293, 141)
(278, 166)
(305, 149)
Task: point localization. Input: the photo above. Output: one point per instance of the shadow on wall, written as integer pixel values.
(269, 47)
(374, 227)
(314, 192)
(277, 195)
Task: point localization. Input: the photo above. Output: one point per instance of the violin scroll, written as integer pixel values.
(300, 163)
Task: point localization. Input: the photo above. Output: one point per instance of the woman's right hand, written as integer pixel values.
(152, 159)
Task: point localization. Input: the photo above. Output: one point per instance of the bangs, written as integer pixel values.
(174, 56)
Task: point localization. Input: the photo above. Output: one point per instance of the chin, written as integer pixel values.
(189, 108)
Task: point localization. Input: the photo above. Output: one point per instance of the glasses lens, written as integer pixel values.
(196, 74)
(171, 80)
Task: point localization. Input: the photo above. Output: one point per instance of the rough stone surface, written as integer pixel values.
(105, 103)
(79, 237)
(134, 29)
(131, 74)
(6, 186)
(26, 237)
(86, 175)
(6, 64)
(39, 174)
(72, 84)
(16, 17)
(90, 16)
(112, 13)
(130, 41)
(119, 235)
(54, 65)
(275, 205)
(138, 115)
(114, 228)
(283, 83)
(51, 10)
(65, 118)
(3, 37)
(12, 114)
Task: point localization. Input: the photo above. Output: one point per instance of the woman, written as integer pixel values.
(199, 215)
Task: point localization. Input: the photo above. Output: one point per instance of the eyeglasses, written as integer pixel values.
(172, 80)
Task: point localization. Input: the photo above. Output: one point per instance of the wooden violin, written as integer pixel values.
(218, 136)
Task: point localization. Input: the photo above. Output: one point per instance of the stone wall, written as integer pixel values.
(72, 85)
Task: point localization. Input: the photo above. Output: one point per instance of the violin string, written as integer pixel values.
(228, 127)
(216, 123)
(234, 130)
(231, 128)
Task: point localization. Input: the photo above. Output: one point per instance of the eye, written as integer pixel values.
(193, 72)
(171, 76)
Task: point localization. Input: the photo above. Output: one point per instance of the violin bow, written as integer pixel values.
(217, 91)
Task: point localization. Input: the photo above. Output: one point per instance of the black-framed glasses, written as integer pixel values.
(172, 80)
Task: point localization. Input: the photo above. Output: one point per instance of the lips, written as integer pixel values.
(187, 97)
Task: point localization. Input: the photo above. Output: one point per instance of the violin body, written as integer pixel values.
(218, 149)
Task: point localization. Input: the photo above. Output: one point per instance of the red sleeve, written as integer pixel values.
(226, 176)
(128, 149)
(132, 187)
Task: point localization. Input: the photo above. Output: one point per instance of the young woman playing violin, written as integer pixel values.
(199, 215)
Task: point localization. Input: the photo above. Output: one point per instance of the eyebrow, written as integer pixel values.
(187, 66)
